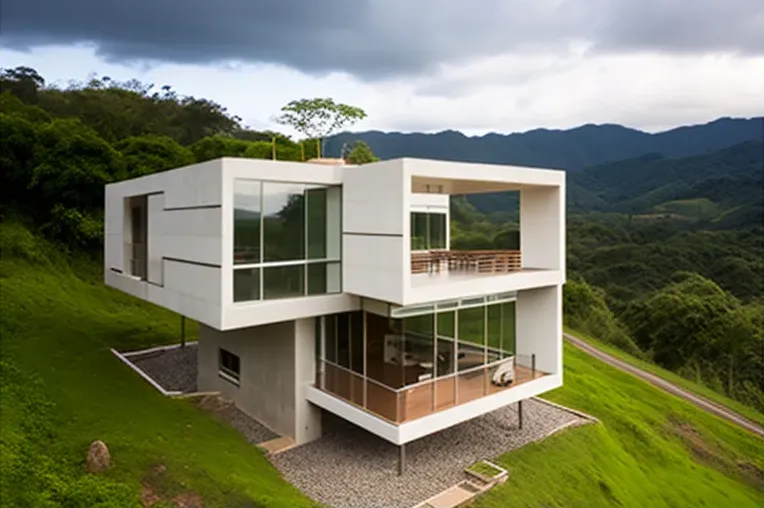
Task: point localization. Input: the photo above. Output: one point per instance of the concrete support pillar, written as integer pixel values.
(307, 417)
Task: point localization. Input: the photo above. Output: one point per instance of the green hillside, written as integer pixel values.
(62, 388)
(699, 189)
(651, 449)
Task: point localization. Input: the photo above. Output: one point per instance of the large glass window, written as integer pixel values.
(446, 342)
(283, 281)
(419, 345)
(471, 323)
(428, 231)
(508, 330)
(317, 228)
(437, 230)
(419, 231)
(283, 221)
(494, 332)
(246, 284)
(384, 363)
(287, 240)
(246, 221)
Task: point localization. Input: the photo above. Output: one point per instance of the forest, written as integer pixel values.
(665, 251)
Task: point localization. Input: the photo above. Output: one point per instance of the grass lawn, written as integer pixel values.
(697, 388)
(485, 469)
(62, 388)
(650, 449)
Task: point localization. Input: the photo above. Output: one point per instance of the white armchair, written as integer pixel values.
(505, 373)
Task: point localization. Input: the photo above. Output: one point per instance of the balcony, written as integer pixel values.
(414, 401)
(466, 261)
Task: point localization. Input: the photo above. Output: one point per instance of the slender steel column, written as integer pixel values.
(520, 414)
(401, 459)
(182, 331)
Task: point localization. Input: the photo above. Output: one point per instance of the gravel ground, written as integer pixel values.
(174, 369)
(349, 467)
(225, 409)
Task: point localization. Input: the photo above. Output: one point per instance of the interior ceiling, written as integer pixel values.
(428, 185)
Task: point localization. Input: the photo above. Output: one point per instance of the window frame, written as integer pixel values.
(228, 373)
(428, 234)
(263, 265)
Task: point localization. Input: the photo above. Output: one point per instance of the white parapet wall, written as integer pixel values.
(183, 239)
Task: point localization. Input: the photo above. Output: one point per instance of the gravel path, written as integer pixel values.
(349, 467)
(701, 402)
(173, 369)
(225, 409)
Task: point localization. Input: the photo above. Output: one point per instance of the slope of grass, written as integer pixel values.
(696, 209)
(62, 388)
(650, 449)
(697, 388)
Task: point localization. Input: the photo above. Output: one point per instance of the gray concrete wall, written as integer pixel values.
(276, 360)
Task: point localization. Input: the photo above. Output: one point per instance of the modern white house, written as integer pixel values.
(330, 287)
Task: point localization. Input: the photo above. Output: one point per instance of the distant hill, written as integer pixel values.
(710, 173)
(723, 188)
(572, 149)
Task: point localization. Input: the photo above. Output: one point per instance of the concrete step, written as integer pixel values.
(278, 445)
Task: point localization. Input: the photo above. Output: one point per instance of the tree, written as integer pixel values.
(17, 142)
(318, 118)
(144, 155)
(361, 154)
(213, 147)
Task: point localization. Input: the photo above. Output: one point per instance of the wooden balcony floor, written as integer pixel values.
(421, 400)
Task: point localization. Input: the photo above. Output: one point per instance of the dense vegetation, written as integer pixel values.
(665, 261)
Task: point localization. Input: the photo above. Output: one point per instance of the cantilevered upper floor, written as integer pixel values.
(241, 242)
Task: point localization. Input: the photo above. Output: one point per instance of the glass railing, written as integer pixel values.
(429, 396)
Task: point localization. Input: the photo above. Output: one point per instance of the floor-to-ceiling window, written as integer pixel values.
(428, 231)
(422, 359)
(287, 240)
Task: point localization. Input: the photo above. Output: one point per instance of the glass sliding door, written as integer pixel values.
(428, 231)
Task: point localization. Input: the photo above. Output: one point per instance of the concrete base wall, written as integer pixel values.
(276, 363)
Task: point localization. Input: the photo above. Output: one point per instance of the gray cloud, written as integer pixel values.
(376, 39)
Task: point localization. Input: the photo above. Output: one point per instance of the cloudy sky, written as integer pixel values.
(416, 65)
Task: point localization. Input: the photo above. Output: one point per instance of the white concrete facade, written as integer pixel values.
(190, 264)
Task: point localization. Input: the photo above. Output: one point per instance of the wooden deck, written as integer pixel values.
(421, 400)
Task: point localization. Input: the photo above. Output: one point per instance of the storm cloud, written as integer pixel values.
(377, 39)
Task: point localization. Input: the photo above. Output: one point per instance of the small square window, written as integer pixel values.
(228, 366)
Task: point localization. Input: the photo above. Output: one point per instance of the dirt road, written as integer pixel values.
(705, 404)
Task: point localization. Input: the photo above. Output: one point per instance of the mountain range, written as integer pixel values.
(571, 149)
(709, 174)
